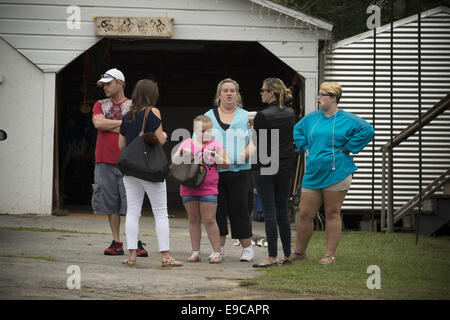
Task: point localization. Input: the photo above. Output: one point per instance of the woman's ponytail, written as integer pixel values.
(277, 86)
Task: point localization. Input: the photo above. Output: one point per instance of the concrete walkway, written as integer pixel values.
(37, 251)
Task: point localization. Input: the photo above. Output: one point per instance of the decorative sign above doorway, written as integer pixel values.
(156, 27)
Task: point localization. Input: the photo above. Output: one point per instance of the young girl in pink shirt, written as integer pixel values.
(201, 203)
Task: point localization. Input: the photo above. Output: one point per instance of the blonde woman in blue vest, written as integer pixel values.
(230, 127)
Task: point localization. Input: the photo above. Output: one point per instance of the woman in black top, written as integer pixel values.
(273, 179)
(145, 94)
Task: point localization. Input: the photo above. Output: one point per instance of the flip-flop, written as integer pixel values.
(195, 257)
(129, 262)
(215, 258)
(327, 259)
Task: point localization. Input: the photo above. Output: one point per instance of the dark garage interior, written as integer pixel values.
(187, 73)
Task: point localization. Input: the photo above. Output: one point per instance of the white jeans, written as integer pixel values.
(135, 189)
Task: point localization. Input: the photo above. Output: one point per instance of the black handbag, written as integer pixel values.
(190, 174)
(143, 160)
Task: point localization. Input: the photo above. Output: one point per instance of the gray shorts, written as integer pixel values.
(339, 186)
(108, 196)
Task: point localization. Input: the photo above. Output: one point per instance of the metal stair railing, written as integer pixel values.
(426, 193)
(387, 216)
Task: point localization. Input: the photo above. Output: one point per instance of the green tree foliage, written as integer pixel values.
(349, 16)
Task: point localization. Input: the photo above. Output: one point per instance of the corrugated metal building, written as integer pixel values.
(350, 62)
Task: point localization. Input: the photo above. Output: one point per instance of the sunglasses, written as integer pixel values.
(263, 89)
(108, 76)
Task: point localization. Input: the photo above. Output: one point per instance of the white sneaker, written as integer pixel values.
(247, 254)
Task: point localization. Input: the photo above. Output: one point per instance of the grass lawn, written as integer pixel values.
(407, 270)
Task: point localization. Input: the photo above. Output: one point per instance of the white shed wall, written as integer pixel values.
(39, 31)
(22, 164)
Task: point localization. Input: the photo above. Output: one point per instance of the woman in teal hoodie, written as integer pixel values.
(327, 137)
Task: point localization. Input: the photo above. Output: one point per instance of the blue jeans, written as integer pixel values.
(273, 192)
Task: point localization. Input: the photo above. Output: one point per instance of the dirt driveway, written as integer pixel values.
(41, 256)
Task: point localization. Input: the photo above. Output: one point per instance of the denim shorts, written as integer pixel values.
(210, 198)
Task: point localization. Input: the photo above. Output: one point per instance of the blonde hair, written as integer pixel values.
(120, 82)
(334, 88)
(219, 89)
(203, 119)
(282, 94)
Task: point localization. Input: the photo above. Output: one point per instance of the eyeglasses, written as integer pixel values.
(325, 94)
(264, 89)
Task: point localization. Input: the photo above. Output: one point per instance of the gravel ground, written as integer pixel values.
(35, 262)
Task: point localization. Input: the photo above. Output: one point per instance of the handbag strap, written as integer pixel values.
(192, 150)
(147, 110)
(203, 148)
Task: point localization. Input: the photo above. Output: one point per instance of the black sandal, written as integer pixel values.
(274, 264)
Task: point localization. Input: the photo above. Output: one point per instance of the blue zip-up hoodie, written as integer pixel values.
(324, 137)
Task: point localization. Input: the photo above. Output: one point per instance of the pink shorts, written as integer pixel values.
(339, 186)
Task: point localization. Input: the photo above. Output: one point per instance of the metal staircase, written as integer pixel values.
(441, 211)
(436, 185)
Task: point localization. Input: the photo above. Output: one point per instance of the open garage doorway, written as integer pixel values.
(187, 73)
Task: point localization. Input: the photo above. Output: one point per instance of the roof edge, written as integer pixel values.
(294, 13)
(386, 27)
